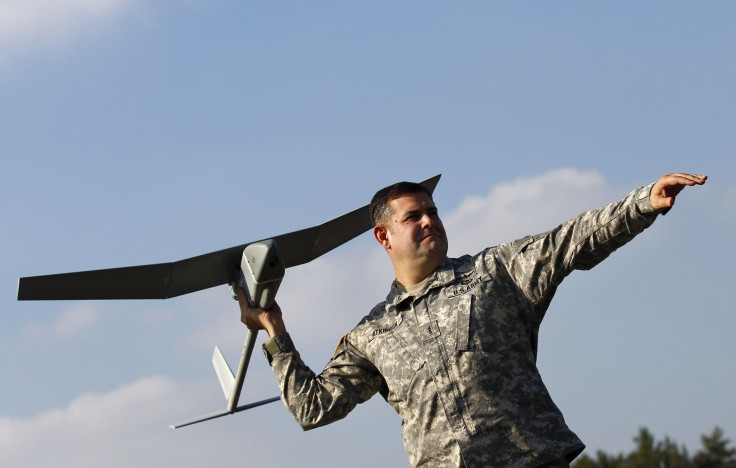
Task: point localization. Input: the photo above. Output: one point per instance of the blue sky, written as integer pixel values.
(141, 132)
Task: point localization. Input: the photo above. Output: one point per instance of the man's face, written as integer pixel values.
(415, 231)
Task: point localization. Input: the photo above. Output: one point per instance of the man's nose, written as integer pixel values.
(427, 220)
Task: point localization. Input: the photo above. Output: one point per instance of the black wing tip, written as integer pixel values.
(26, 291)
(432, 182)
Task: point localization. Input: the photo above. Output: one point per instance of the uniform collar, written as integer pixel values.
(443, 275)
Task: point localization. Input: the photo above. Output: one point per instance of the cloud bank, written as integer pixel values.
(41, 23)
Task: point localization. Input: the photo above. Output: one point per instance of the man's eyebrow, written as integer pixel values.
(430, 209)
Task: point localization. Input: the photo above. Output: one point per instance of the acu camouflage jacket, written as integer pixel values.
(457, 361)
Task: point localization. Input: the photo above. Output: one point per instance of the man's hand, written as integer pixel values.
(666, 189)
(259, 319)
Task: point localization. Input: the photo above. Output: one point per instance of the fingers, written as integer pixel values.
(241, 297)
(669, 186)
(686, 179)
(248, 315)
(259, 319)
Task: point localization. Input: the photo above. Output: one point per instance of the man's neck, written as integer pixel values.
(414, 274)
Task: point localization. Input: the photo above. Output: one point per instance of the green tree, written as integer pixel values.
(672, 456)
(603, 460)
(645, 455)
(650, 453)
(716, 452)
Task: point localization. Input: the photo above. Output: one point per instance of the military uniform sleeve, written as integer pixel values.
(316, 400)
(537, 264)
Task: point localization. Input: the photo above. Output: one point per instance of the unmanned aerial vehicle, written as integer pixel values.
(257, 267)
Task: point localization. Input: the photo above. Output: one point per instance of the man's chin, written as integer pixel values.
(435, 238)
(435, 248)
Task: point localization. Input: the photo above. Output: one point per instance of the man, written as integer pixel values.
(453, 348)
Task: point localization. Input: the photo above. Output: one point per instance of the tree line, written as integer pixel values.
(716, 452)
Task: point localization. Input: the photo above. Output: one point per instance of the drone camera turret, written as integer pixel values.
(261, 272)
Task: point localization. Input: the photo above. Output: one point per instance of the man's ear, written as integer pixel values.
(381, 235)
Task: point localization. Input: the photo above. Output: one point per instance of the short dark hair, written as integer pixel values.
(379, 204)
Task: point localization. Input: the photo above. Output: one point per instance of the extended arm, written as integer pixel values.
(539, 263)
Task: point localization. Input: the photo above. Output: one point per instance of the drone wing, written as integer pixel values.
(165, 280)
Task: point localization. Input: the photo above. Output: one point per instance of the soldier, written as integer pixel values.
(453, 347)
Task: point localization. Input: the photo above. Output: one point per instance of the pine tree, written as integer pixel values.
(649, 453)
(715, 453)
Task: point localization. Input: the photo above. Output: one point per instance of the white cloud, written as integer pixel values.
(27, 23)
(525, 206)
(75, 319)
(93, 426)
(129, 427)
(78, 318)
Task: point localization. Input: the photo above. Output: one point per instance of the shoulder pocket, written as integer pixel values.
(521, 244)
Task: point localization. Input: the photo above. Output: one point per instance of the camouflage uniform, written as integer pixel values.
(457, 360)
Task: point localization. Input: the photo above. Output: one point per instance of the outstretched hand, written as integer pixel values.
(666, 189)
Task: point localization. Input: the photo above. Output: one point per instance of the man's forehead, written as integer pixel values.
(411, 201)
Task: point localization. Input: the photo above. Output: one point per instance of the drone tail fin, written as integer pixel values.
(224, 373)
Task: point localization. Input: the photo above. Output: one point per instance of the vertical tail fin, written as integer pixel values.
(224, 373)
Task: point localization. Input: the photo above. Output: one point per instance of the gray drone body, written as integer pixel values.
(261, 272)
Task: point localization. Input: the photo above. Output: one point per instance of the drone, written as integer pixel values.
(257, 267)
